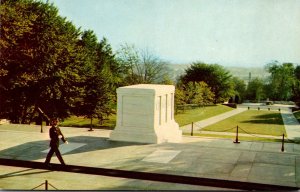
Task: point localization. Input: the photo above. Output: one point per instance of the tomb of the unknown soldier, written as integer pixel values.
(145, 114)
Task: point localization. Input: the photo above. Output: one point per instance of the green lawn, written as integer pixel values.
(198, 114)
(253, 122)
(183, 118)
(75, 121)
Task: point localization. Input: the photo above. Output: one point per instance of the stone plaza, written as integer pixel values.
(253, 162)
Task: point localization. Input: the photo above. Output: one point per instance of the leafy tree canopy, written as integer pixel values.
(214, 75)
(194, 93)
(281, 80)
(256, 90)
(47, 62)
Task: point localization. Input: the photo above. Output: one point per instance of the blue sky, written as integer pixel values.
(227, 32)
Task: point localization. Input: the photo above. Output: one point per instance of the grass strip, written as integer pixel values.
(198, 114)
(260, 122)
(75, 121)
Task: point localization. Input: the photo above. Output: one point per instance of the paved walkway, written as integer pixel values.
(256, 162)
(212, 120)
(291, 125)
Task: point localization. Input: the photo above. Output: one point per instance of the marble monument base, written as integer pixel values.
(145, 114)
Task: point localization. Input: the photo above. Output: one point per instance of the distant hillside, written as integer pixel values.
(175, 70)
(241, 72)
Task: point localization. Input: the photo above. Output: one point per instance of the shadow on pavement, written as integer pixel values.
(23, 173)
(33, 150)
(161, 177)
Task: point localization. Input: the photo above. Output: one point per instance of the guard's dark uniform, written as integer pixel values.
(54, 133)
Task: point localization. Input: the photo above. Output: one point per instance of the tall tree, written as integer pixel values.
(296, 85)
(99, 83)
(141, 66)
(255, 90)
(14, 28)
(214, 75)
(128, 57)
(281, 80)
(152, 69)
(39, 60)
(239, 89)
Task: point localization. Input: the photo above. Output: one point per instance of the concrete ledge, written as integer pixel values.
(149, 176)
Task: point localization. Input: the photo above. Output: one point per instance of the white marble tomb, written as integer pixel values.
(145, 114)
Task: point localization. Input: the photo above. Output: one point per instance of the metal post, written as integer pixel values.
(46, 185)
(237, 135)
(282, 143)
(91, 125)
(41, 123)
(192, 129)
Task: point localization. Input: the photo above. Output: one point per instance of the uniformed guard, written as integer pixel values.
(55, 133)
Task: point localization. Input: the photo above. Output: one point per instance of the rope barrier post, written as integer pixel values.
(237, 135)
(91, 125)
(192, 129)
(46, 185)
(41, 123)
(282, 143)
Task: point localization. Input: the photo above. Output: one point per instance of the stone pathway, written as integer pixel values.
(291, 125)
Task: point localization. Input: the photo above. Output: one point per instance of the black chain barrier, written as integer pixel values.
(38, 186)
(284, 138)
(244, 131)
(46, 186)
(53, 186)
(255, 135)
(225, 130)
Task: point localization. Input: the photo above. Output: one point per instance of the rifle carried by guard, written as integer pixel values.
(42, 114)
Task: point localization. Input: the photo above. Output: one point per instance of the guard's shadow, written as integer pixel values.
(25, 172)
(33, 150)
